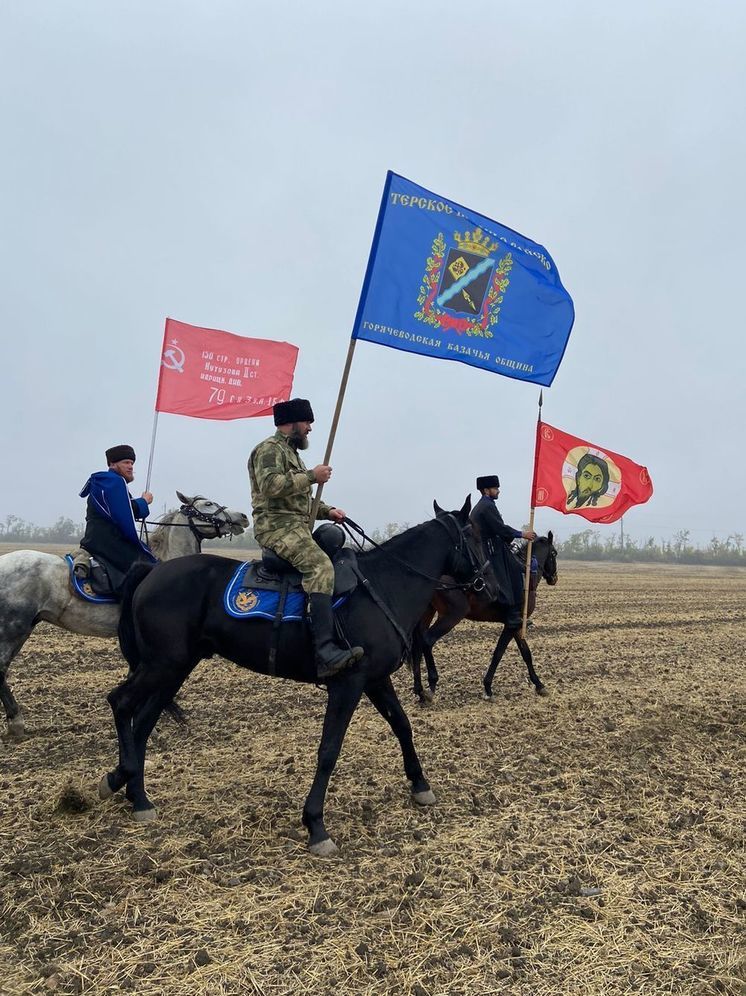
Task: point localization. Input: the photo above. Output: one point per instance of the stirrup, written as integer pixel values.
(340, 662)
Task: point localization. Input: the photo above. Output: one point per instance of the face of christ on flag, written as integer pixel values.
(590, 478)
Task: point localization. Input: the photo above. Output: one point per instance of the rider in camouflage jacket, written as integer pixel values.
(281, 503)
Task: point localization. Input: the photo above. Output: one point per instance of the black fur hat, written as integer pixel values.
(295, 410)
(116, 453)
(490, 481)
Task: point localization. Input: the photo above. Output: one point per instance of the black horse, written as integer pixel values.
(175, 618)
(451, 606)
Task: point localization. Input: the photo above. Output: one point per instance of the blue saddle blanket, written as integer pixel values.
(83, 589)
(241, 602)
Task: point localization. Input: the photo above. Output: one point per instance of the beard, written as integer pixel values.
(297, 440)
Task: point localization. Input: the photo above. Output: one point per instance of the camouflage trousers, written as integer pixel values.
(298, 546)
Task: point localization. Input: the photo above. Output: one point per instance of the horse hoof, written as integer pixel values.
(543, 692)
(324, 848)
(486, 696)
(16, 729)
(105, 791)
(145, 815)
(426, 798)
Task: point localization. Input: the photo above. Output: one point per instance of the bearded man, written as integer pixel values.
(281, 505)
(496, 538)
(110, 531)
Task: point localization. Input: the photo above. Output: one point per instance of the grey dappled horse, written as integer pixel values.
(35, 586)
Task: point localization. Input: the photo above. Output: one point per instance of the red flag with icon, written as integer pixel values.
(206, 373)
(575, 476)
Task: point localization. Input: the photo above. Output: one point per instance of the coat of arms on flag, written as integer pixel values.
(463, 291)
(443, 280)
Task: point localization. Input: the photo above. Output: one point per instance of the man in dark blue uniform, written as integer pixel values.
(496, 538)
(110, 532)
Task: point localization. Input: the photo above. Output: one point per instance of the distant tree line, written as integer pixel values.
(589, 545)
(64, 530)
(585, 545)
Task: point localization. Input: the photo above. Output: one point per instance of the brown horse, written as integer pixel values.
(453, 605)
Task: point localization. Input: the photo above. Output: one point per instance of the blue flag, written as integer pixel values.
(445, 281)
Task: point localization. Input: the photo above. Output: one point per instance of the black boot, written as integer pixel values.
(330, 657)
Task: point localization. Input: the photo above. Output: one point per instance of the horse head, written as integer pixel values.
(211, 520)
(465, 562)
(545, 552)
(549, 567)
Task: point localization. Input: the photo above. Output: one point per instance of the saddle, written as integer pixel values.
(271, 588)
(274, 573)
(89, 579)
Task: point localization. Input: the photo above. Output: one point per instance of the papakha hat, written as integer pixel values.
(490, 481)
(116, 453)
(295, 410)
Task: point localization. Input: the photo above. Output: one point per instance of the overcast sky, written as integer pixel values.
(222, 163)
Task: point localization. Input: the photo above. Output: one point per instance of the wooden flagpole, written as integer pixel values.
(353, 341)
(333, 430)
(527, 575)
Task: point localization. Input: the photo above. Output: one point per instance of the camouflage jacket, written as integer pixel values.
(280, 487)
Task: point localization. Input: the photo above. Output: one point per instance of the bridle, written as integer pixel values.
(476, 583)
(191, 512)
(550, 578)
(210, 518)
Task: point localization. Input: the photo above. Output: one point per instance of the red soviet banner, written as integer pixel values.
(575, 476)
(206, 373)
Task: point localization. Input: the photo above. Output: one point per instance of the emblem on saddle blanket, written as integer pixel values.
(246, 599)
(243, 602)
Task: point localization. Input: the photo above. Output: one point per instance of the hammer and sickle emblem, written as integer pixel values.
(173, 359)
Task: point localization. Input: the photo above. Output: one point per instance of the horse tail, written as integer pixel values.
(416, 646)
(126, 629)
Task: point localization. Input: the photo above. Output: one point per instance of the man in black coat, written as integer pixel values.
(110, 532)
(496, 538)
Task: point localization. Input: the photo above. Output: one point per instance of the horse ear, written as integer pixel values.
(550, 537)
(437, 509)
(183, 498)
(466, 507)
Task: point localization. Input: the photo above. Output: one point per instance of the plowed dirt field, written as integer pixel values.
(590, 842)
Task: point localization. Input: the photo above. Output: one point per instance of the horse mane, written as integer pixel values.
(392, 545)
(157, 541)
(519, 546)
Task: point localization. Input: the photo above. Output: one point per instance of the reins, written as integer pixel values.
(477, 582)
(550, 576)
(191, 512)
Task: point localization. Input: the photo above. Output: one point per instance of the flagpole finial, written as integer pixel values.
(541, 399)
